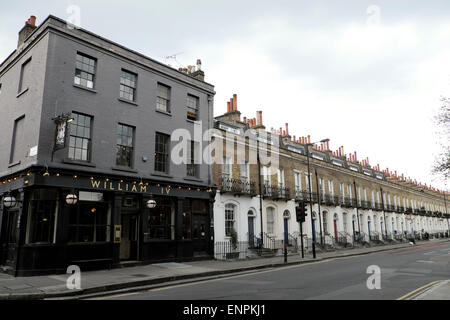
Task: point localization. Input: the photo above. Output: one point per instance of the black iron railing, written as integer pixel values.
(224, 250)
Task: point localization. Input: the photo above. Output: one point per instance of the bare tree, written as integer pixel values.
(441, 166)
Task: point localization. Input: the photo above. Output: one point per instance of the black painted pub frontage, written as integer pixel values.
(109, 224)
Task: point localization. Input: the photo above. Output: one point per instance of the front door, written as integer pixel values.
(251, 232)
(8, 238)
(129, 239)
(199, 241)
(335, 230)
(286, 231)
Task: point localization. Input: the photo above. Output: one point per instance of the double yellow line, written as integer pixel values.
(419, 291)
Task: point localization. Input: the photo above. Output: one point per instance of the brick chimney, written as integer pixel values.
(30, 26)
(198, 74)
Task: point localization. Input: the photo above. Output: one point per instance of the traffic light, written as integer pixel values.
(301, 212)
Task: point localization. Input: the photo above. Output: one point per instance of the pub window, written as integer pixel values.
(192, 104)
(42, 213)
(89, 222)
(80, 137)
(163, 98)
(17, 139)
(191, 166)
(124, 154)
(85, 71)
(24, 80)
(162, 153)
(161, 220)
(128, 85)
(187, 218)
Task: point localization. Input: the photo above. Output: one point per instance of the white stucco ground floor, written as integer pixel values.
(334, 225)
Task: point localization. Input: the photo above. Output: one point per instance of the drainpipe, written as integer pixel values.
(260, 192)
(357, 212)
(318, 205)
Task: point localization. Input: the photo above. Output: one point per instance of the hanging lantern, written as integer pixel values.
(71, 199)
(151, 204)
(9, 202)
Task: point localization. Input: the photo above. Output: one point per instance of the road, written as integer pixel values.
(402, 271)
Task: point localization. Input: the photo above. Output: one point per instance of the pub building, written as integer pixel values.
(86, 176)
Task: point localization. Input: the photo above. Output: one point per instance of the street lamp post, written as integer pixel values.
(446, 213)
(310, 197)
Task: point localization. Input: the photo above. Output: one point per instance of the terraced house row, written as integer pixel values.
(351, 202)
(88, 175)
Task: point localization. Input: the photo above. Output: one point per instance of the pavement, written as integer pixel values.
(129, 279)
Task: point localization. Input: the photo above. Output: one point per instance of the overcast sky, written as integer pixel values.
(368, 75)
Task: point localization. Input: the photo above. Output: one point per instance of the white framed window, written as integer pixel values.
(280, 174)
(298, 180)
(226, 167)
(230, 213)
(270, 212)
(331, 188)
(266, 175)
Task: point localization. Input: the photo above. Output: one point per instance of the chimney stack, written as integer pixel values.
(259, 121)
(30, 26)
(235, 102)
(197, 74)
(287, 129)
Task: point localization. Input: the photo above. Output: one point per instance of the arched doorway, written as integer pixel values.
(335, 221)
(251, 228)
(344, 220)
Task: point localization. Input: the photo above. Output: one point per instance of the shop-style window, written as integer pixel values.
(80, 137)
(161, 220)
(85, 71)
(124, 154)
(42, 212)
(89, 222)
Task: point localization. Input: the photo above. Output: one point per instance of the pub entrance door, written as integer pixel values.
(9, 238)
(199, 240)
(129, 242)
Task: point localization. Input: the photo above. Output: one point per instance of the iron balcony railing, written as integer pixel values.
(305, 196)
(237, 186)
(273, 192)
(378, 206)
(348, 202)
(329, 200)
(366, 205)
(390, 207)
